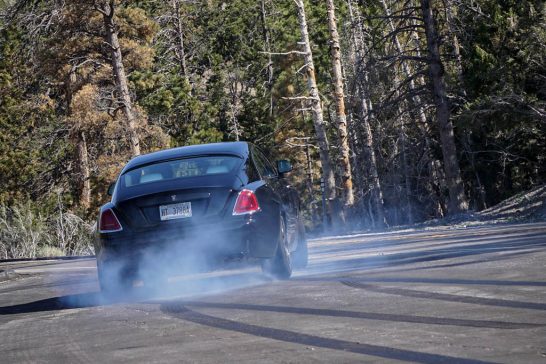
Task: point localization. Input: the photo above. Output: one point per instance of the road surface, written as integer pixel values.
(442, 295)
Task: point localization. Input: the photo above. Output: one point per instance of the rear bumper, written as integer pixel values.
(240, 236)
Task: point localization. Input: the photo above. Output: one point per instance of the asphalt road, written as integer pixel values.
(443, 295)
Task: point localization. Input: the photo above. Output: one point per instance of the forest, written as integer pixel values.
(392, 112)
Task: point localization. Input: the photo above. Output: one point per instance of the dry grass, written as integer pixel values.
(26, 233)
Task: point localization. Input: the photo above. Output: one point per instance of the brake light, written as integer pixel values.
(246, 203)
(109, 222)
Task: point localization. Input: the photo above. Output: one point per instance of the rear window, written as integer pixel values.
(181, 168)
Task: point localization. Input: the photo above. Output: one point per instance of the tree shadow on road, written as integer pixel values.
(346, 263)
(445, 297)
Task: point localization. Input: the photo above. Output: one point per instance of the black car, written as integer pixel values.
(198, 206)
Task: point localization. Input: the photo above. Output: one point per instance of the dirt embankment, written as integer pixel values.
(528, 206)
(525, 206)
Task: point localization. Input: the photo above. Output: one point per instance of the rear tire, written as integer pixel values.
(106, 285)
(301, 254)
(280, 266)
(115, 281)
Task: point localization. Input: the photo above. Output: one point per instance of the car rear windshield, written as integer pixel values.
(181, 168)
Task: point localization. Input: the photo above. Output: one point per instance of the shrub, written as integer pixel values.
(70, 234)
(27, 232)
(21, 231)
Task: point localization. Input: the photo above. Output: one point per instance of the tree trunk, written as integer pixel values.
(415, 98)
(107, 11)
(457, 198)
(77, 136)
(267, 45)
(83, 159)
(377, 193)
(309, 182)
(405, 168)
(451, 13)
(316, 109)
(365, 113)
(418, 107)
(175, 4)
(433, 185)
(480, 202)
(339, 98)
(413, 104)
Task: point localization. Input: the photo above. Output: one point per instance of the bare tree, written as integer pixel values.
(267, 44)
(364, 101)
(235, 87)
(77, 135)
(107, 9)
(457, 198)
(339, 98)
(85, 175)
(180, 36)
(451, 14)
(416, 103)
(316, 107)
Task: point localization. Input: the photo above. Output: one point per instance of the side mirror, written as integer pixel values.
(284, 166)
(111, 189)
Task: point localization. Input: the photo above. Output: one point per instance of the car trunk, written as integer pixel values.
(142, 210)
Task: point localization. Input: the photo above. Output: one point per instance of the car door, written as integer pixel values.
(284, 193)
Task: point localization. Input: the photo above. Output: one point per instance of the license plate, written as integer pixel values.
(175, 211)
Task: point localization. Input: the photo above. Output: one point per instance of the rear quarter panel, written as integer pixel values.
(267, 221)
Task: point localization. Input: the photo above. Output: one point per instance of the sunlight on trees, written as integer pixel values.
(407, 111)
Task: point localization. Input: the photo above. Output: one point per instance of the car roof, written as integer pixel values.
(236, 148)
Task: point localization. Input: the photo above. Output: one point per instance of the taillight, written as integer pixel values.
(109, 222)
(246, 203)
